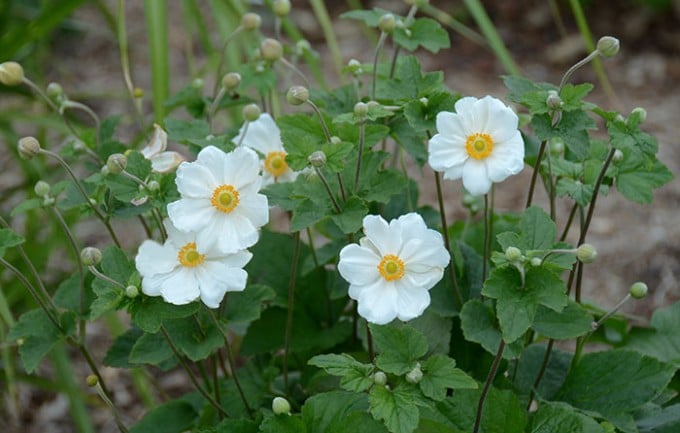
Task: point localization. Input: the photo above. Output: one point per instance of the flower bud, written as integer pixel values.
(28, 147)
(11, 73)
(317, 159)
(354, 66)
(42, 188)
(297, 95)
(131, 291)
(251, 112)
(556, 146)
(387, 23)
(638, 290)
(553, 101)
(271, 50)
(302, 46)
(251, 21)
(586, 253)
(138, 93)
(90, 256)
(360, 109)
(638, 115)
(608, 46)
(48, 201)
(153, 185)
(414, 376)
(336, 140)
(424, 101)
(197, 83)
(280, 406)
(281, 8)
(231, 80)
(536, 262)
(618, 156)
(91, 380)
(104, 171)
(116, 163)
(379, 378)
(54, 90)
(513, 254)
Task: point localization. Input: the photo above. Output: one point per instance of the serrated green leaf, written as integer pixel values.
(25, 206)
(283, 424)
(336, 155)
(423, 32)
(280, 194)
(196, 337)
(353, 212)
(663, 341)
(409, 82)
(369, 17)
(439, 374)
(306, 214)
(356, 376)
(581, 193)
(479, 325)
(150, 349)
(572, 128)
(9, 239)
(571, 322)
(327, 412)
(396, 408)
(636, 182)
(562, 418)
(39, 335)
(116, 265)
(408, 138)
(183, 131)
(614, 382)
(247, 305)
(537, 229)
(68, 294)
(149, 312)
(399, 347)
(659, 420)
(175, 416)
(421, 116)
(118, 355)
(502, 411)
(530, 362)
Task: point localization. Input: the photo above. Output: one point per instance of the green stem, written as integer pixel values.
(125, 62)
(291, 305)
(65, 375)
(447, 242)
(324, 21)
(157, 25)
(328, 189)
(567, 75)
(220, 63)
(487, 385)
(362, 128)
(374, 78)
(541, 372)
(106, 278)
(534, 174)
(570, 220)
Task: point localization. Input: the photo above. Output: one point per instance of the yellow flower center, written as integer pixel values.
(189, 257)
(479, 145)
(275, 163)
(391, 267)
(224, 198)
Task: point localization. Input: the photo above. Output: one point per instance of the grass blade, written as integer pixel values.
(157, 26)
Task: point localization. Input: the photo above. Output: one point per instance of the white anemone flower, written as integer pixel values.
(264, 136)
(182, 270)
(162, 161)
(220, 200)
(393, 268)
(479, 142)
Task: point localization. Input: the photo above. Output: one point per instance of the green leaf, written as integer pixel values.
(149, 312)
(39, 335)
(502, 411)
(479, 325)
(614, 382)
(150, 349)
(353, 213)
(306, 214)
(530, 363)
(356, 376)
(122, 187)
(8, 239)
(370, 17)
(337, 155)
(396, 408)
(408, 138)
(571, 322)
(118, 355)
(577, 190)
(339, 412)
(196, 337)
(184, 131)
(562, 418)
(423, 32)
(537, 229)
(663, 341)
(116, 265)
(409, 82)
(399, 347)
(382, 185)
(572, 128)
(23, 207)
(439, 374)
(636, 181)
(232, 425)
(283, 424)
(421, 116)
(247, 305)
(175, 416)
(68, 294)
(659, 420)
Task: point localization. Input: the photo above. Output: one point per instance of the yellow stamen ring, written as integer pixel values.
(189, 257)
(225, 198)
(275, 163)
(479, 145)
(391, 267)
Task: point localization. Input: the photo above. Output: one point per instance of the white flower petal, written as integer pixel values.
(475, 178)
(506, 159)
(445, 152)
(451, 125)
(358, 265)
(181, 287)
(233, 260)
(190, 214)
(255, 208)
(378, 303)
(502, 124)
(411, 301)
(378, 231)
(157, 143)
(153, 258)
(262, 135)
(455, 172)
(195, 180)
(152, 284)
(165, 162)
(241, 167)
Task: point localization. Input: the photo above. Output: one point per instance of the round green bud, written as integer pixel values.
(553, 101)
(197, 83)
(302, 46)
(414, 376)
(138, 93)
(556, 146)
(11, 73)
(251, 112)
(536, 262)
(153, 185)
(379, 378)
(638, 290)
(28, 147)
(42, 188)
(54, 90)
(91, 380)
(336, 140)
(280, 406)
(48, 201)
(618, 156)
(586, 253)
(387, 23)
(608, 46)
(354, 66)
(317, 159)
(424, 101)
(231, 80)
(271, 50)
(116, 163)
(373, 104)
(104, 171)
(513, 254)
(360, 109)
(281, 8)
(297, 95)
(131, 291)
(90, 256)
(251, 21)
(639, 114)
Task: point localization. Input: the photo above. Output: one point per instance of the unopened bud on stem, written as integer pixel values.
(414, 376)
(251, 112)
(387, 23)
(297, 95)
(553, 101)
(91, 380)
(379, 378)
(251, 21)
(638, 290)
(281, 8)
(271, 50)
(90, 256)
(28, 147)
(280, 406)
(11, 73)
(513, 254)
(116, 163)
(586, 253)
(317, 159)
(608, 46)
(360, 109)
(42, 188)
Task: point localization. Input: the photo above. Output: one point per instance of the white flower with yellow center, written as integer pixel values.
(393, 268)
(220, 199)
(264, 136)
(479, 142)
(182, 270)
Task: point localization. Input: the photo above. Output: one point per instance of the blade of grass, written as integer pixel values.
(65, 375)
(587, 36)
(492, 37)
(327, 27)
(7, 358)
(227, 18)
(455, 25)
(157, 26)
